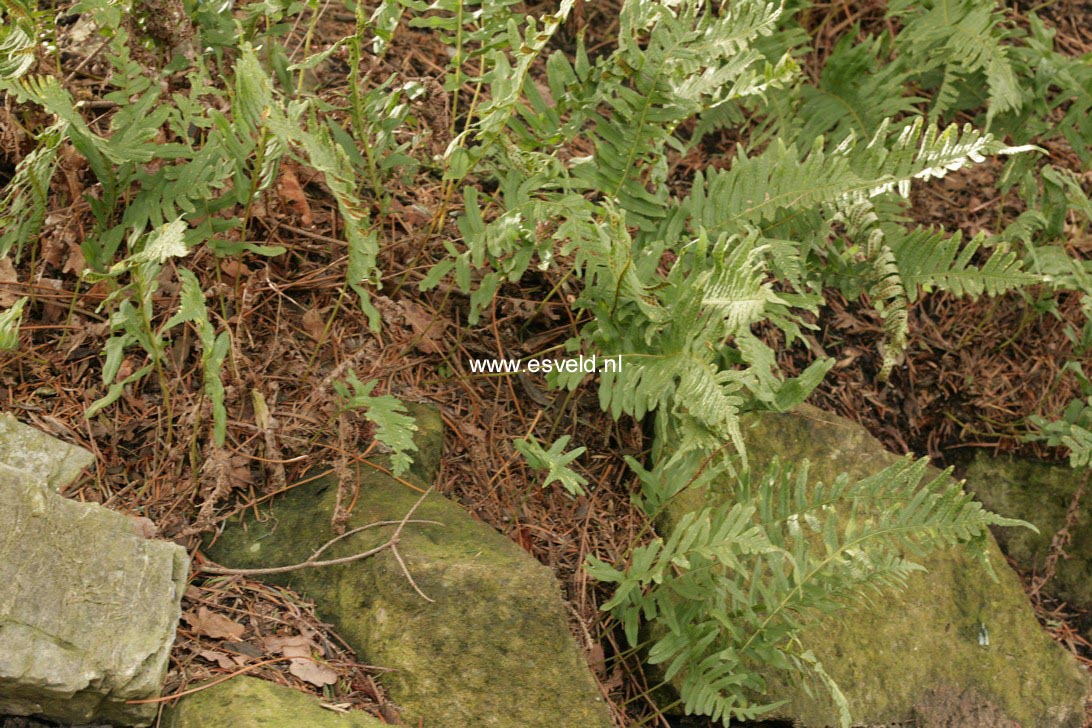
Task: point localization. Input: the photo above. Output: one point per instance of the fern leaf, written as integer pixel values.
(555, 462)
(927, 259)
(393, 426)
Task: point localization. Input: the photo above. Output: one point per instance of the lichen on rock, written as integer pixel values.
(890, 655)
(247, 702)
(1041, 494)
(88, 609)
(491, 649)
(33, 451)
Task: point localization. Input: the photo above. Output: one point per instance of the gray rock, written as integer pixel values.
(26, 448)
(247, 702)
(893, 657)
(493, 650)
(88, 609)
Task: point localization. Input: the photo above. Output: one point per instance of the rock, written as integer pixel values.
(493, 648)
(87, 609)
(247, 702)
(1040, 494)
(26, 448)
(894, 657)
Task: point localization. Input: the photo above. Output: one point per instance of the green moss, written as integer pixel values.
(888, 657)
(247, 702)
(493, 648)
(1040, 494)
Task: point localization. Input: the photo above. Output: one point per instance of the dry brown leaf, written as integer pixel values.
(53, 309)
(292, 192)
(234, 268)
(296, 646)
(209, 623)
(313, 324)
(428, 329)
(225, 661)
(313, 672)
(75, 263)
(8, 278)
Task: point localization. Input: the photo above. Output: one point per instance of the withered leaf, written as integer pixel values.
(292, 191)
(313, 324)
(211, 624)
(8, 278)
(224, 661)
(313, 672)
(428, 329)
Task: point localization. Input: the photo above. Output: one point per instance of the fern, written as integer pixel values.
(679, 59)
(732, 584)
(555, 462)
(393, 426)
(964, 39)
(10, 319)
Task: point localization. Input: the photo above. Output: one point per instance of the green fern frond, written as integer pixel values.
(733, 585)
(25, 201)
(16, 51)
(757, 189)
(554, 461)
(394, 427)
(963, 38)
(677, 59)
(929, 259)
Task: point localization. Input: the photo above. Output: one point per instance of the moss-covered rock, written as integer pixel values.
(492, 648)
(1040, 494)
(247, 702)
(892, 657)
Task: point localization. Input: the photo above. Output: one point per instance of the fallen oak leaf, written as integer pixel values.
(225, 661)
(312, 671)
(292, 191)
(217, 626)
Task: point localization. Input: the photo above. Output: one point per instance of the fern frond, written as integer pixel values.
(16, 51)
(928, 259)
(330, 159)
(25, 201)
(678, 59)
(755, 189)
(963, 38)
(554, 461)
(394, 427)
(733, 585)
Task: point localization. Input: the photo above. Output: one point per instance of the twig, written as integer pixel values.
(313, 561)
(409, 578)
(1060, 540)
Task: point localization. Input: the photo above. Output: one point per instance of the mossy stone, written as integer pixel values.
(493, 648)
(1040, 494)
(889, 657)
(247, 702)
